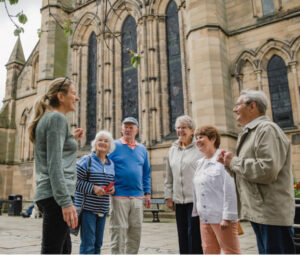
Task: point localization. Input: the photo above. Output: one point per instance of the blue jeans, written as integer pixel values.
(274, 239)
(91, 233)
(188, 229)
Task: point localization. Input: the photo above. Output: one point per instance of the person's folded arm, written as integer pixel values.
(270, 156)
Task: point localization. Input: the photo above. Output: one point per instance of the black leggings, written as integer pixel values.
(188, 229)
(56, 234)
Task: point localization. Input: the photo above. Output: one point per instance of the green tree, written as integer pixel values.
(18, 20)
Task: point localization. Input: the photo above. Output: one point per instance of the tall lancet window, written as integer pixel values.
(280, 93)
(174, 64)
(91, 109)
(129, 74)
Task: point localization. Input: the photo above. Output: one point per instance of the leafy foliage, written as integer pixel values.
(135, 58)
(297, 189)
(21, 17)
(67, 27)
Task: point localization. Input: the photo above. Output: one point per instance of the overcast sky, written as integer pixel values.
(7, 39)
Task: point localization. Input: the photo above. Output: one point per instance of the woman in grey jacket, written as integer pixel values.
(55, 157)
(180, 168)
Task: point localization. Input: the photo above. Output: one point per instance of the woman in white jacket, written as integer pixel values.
(215, 197)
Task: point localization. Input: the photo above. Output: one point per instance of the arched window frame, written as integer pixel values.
(130, 95)
(284, 118)
(175, 77)
(91, 101)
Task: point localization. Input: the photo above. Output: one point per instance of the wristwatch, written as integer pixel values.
(147, 193)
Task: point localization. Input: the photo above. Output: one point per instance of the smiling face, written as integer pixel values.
(243, 111)
(184, 133)
(102, 145)
(67, 102)
(129, 131)
(206, 145)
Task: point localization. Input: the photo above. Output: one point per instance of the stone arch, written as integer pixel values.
(271, 47)
(160, 7)
(26, 148)
(117, 18)
(295, 47)
(246, 55)
(87, 24)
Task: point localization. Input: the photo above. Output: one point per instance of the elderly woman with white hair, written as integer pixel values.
(180, 168)
(95, 172)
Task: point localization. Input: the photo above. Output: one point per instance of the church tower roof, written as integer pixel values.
(17, 55)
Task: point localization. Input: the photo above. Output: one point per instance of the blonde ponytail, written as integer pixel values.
(39, 110)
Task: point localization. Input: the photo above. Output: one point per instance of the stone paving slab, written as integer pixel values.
(23, 236)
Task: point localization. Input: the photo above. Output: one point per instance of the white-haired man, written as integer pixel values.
(263, 175)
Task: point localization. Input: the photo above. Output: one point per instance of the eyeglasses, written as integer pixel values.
(182, 128)
(238, 104)
(61, 85)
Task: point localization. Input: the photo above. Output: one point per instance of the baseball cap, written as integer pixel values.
(130, 120)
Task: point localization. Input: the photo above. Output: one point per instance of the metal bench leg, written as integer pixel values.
(155, 217)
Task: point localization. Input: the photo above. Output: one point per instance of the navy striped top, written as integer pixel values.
(100, 175)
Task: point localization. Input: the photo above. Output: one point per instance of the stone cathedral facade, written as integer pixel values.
(196, 56)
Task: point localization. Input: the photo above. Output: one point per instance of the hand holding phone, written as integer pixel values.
(109, 186)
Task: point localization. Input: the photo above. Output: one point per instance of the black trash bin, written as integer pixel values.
(14, 204)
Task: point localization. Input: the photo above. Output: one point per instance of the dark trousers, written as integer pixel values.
(188, 229)
(274, 239)
(56, 234)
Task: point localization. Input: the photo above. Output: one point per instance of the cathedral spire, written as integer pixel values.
(17, 55)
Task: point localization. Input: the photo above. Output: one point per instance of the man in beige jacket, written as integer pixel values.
(263, 175)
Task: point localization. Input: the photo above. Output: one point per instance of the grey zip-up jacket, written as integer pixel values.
(180, 168)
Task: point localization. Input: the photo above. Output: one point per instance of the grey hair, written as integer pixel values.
(185, 119)
(107, 135)
(257, 96)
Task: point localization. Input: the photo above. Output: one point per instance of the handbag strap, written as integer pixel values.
(88, 172)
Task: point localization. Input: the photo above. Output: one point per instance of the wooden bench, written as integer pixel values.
(155, 211)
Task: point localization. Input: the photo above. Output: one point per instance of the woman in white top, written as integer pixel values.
(215, 197)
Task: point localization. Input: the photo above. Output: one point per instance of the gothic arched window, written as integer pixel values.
(91, 112)
(174, 64)
(267, 6)
(280, 93)
(129, 73)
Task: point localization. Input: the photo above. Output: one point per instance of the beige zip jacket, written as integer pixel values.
(180, 168)
(263, 175)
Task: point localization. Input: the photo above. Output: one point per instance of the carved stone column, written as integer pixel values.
(143, 81)
(295, 86)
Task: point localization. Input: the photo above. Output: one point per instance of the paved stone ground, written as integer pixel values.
(23, 236)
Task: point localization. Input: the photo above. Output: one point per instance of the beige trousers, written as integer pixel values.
(125, 225)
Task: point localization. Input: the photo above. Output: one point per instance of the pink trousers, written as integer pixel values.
(214, 239)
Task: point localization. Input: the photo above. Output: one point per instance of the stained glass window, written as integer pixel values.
(267, 6)
(129, 73)
(91, 101)
(174, 64)
(280, 93)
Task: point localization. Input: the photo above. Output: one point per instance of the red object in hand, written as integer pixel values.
(109, 186)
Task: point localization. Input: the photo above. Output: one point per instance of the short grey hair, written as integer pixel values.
(107, 135)
(257, 96)
(185, 119)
